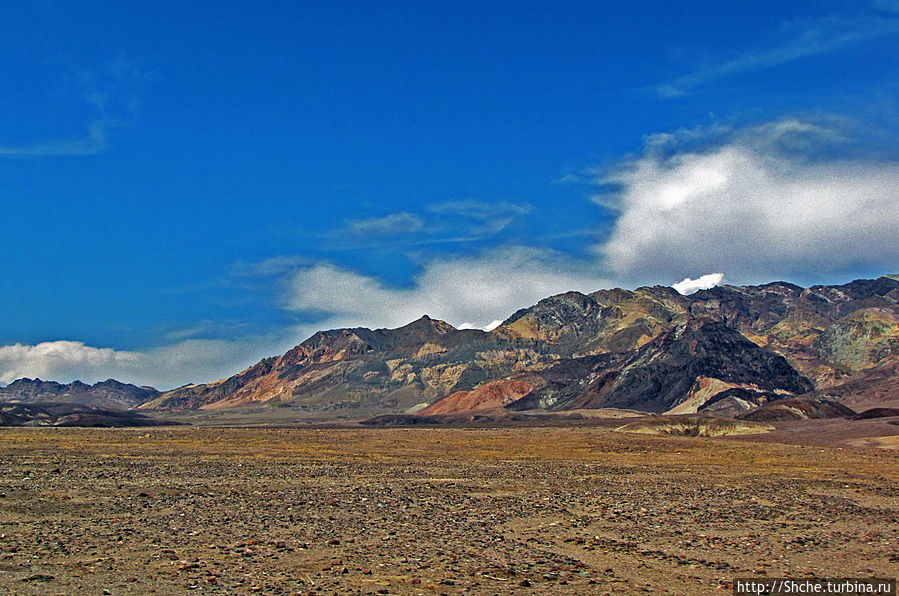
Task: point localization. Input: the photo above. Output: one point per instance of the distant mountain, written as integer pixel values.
(728, 350)
(109, 394)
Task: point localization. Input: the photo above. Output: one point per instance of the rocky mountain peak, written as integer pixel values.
(423, 326)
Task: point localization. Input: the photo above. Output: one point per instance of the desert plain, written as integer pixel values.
(551, 510)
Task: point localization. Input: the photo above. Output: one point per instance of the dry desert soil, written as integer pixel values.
(579, 510)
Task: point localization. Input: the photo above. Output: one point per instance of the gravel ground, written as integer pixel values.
(432, 511)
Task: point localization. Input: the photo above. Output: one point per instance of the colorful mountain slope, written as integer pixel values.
(725, 350)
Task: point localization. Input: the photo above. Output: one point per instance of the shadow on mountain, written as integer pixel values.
(68, 414)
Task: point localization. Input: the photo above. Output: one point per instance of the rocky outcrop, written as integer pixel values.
(605, 321)
(498, 394)
(694, 426)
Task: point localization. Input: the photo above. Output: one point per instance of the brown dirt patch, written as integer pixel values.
(431, 511)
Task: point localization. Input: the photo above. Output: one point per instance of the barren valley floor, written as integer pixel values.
(430, 511)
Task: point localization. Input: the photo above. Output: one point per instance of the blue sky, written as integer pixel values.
(189, 187)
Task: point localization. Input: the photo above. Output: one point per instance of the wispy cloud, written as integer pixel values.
(799, 40)
(482, 218)
(110, 97)
(449, 222)
(93, 142)
(887, 5)
(270, 267)
(389, 225)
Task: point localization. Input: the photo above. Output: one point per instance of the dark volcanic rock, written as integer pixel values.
(876, 413)
(798, 408)
(738, 400)
(664, 372)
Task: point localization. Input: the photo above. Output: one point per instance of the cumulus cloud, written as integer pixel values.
(689, 286)
(194, 360)
(759, 203)
(59, 358)
(476, 290)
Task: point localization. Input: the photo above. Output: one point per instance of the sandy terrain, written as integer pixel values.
(432, 511)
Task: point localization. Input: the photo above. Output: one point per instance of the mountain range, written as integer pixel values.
(109, 394)
(727, 350)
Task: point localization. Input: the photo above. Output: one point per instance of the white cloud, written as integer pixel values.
(477, 290)
(689, 286)
(493, 325)
(801, 39)
(755, 205)
(488, 327)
